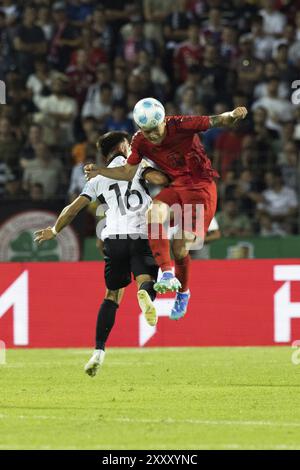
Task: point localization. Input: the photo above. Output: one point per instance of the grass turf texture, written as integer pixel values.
(191, 398)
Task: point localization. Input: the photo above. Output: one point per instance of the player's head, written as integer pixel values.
(149, 115)
(114, 142)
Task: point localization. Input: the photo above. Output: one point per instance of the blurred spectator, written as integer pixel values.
(13, 187)
(35, 137)
(94, 51)
(81, 76)
(78, 11)
(270, 70)
(289, 39)
(65, 39)
(278, 201)
(189, 52)
(176, 24)
(274, 21)
(229, 47)
(146, 86)
(155, 13)
(118, 12)
(119, 83)
(157, 74)
(231, 222)
(82, 151)
(296, 134)
(101, 30)
(297, 21)
(249, 158)
(36, 192)
(286, 71)
(9, 145)
(247, 186)
(10, 10)
(212, 28)
(104, 76)
(29, 41)
(249, 68)
(99, 105)
(214, 73)
(137, 41)
(57, 113)
(7, 54)
(86, 150)
(279, 110)
(193, 79)
(188, 101)
(5, 175)
(286, 136)
(77, 181)
(262, 42)
(45, 170)
(228, 147)
(45, 21)
(210, 136)
(39, 82)
(290, 168)
(119, 121)
(266, 140)
(268, 228)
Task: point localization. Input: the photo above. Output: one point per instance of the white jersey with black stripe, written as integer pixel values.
(125, 202)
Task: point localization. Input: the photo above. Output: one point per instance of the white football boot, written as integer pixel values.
(94, 364)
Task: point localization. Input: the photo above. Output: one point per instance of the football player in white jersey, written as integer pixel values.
(125, 243)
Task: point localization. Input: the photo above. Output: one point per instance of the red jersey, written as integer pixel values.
(181, 154)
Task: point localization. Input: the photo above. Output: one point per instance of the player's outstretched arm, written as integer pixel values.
(65, 218)
(124, 173)
(229, 118)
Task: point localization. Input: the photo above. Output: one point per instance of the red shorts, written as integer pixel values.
(189, 201)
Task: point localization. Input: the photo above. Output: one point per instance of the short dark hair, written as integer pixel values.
(107, 142)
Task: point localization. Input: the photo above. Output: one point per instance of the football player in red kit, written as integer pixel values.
(173, 144)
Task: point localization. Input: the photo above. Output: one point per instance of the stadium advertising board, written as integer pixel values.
(234, 303)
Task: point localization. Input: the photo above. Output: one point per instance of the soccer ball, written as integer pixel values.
(148, 113)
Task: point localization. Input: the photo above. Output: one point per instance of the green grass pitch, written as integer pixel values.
(189, 398)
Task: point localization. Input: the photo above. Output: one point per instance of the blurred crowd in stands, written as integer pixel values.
(75, 68)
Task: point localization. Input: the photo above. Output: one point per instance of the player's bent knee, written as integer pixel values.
(180, 252)
(113, 295)
(143, 278)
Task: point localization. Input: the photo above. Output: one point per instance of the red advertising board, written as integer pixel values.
(233, 303)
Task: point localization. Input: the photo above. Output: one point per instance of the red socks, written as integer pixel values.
(160, 246)
(182, 271)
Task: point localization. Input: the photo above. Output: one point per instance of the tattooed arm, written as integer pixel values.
(229, 118)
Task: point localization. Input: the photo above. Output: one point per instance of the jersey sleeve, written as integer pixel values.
(135, 157)
(89, 190)
(192, 123)
(117, 161)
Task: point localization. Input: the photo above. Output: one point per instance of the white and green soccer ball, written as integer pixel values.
(148, 113)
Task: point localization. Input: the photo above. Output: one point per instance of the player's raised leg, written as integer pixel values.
(199, 209)
(160, 246)
(105, 323)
